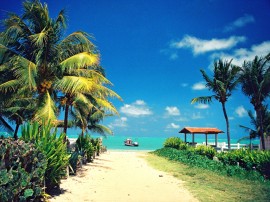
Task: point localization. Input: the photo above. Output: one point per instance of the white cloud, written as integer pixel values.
(173, 126)
(241, 112)
(120, 123)
(243, 54)
(200, 46)
(136, 109)
(172, 111)
(199, 86)
(197, 116)
(182, 119)
(173, 56)
(202, 106)
(240, 22)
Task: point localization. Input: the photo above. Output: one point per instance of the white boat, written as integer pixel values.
(129, 142)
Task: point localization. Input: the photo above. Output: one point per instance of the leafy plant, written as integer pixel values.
(204, 150)
(54, 148)
(247, 159)
(85, 147)
(173, 142)
(22, 171)
(192, 159)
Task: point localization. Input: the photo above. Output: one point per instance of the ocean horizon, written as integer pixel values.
(151, 143)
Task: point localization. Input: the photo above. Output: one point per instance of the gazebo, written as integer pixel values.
(205, 131)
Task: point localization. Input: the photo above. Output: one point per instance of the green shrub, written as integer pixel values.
(204, 150)
(247, 159)
(173, 142)
(190, 158)
(85, 147)
(22, 171)
(73, 161)
(53, 147)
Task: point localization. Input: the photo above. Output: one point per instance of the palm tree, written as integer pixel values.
(254, 133)
(255, 81)
(37, 58)
(224, 81)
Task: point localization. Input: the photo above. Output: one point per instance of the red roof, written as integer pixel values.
(201, 130)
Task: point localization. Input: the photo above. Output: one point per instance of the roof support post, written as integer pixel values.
(216, 139)
(192, 138)
(206, 138)
(185, 138)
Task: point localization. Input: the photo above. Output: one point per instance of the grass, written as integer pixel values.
(208, 186)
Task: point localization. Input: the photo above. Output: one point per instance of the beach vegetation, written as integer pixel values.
(173, 142)
(209, 186)
(53, 146)
(255, 82)
(85, 147)
(225, 79)
(43, 69)
(22, 171)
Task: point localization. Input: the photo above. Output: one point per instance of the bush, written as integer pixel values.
(53, 147)
(173, 142)
(204, 150)
(247, 159)
(190, 158)
(22, 171)
(85, 147)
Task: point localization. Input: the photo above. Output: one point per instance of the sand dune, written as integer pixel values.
(118, 176)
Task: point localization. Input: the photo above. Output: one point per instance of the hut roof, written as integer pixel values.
(200, 130)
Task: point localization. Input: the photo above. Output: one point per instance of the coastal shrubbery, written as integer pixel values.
(189, 157)
(247, 159)
(242, 162)
(173, 142)
(22, 171)
(44, 137)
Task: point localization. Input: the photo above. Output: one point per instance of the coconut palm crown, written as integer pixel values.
(224, 81)
(255, 81)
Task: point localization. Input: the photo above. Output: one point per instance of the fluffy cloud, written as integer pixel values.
(136, 109)
(241, 112)
(202, 106)
(120, 123)
(243, 54)
(172, 111)
(240, 22)
(199, 86)
(200, 46)
(172, 126)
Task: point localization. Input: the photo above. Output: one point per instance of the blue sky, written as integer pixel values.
(152, 52)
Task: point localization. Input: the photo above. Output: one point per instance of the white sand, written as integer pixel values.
(118, 176)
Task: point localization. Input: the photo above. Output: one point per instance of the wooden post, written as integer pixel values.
(216, 139)
(192, 138)
(206, 139)
(185, 138)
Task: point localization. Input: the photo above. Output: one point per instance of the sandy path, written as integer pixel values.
(121, 177)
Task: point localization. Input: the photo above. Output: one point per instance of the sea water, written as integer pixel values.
(151, 143)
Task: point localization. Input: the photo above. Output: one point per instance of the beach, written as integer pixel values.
(120, 176)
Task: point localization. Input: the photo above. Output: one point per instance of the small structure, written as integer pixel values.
(205, 131)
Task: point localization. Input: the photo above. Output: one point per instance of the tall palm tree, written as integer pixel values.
(255, 81)
(224, 81)
(255, 122)
(37, 56)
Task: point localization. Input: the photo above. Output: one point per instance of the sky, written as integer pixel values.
(153, 50)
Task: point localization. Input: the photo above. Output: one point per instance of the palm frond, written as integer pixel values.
(106, 105)
(47, 110)
(202, 99)
(9, 86)
(5, 126)
(101, 129)
(79, 60)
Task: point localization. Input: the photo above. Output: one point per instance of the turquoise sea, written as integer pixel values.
(150, 143)
(116, 142)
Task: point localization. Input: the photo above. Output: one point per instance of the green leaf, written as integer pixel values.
(28, 193)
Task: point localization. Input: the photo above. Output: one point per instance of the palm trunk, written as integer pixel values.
(227, 125)
(16, 131)
(66, 119)
(259, 116)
